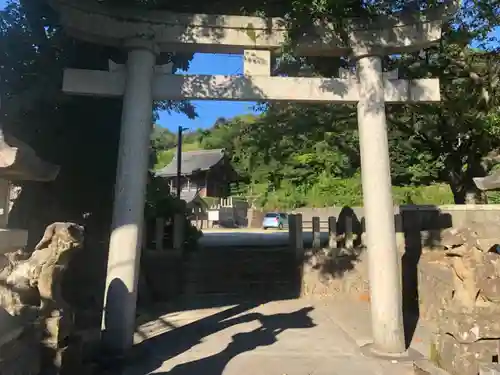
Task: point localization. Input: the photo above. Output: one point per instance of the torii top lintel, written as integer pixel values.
(400, 32)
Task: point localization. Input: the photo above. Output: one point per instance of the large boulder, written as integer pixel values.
(33, 312)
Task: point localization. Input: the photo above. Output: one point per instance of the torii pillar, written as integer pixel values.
(130, 190)
(383, 256)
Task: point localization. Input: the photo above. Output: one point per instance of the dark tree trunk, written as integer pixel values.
(462, 184)
(469, 194)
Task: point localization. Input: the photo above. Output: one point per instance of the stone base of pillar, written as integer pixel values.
(410, 355)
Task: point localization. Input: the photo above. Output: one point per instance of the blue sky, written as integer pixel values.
(209, 111)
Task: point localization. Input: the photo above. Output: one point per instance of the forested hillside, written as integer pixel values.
(305, 155)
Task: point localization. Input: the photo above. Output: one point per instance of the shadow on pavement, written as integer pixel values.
(150, 354)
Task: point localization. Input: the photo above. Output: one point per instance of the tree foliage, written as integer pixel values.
(294, 154)
(80, 134)
(300, 149)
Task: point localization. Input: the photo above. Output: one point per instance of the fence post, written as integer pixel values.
(316, 233)
(295, 234)
(197, 216)
(349, 242)
(332, 232)
(362, 240)
(178, 232)
(159, 233)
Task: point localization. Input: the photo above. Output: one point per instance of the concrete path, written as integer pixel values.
(292, 337)
(245, 237)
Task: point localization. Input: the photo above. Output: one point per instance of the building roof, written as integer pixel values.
(192, 161)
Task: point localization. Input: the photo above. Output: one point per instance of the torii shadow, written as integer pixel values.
(171, 344)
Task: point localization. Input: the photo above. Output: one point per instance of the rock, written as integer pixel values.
(30, 291)
(35, 281)
(16, 299)
(463, 359)
(476, 235)
(57, 329)
(488, 266)
(467, 328)
(487, 244)
(470, 236)
(490, 289)
(460, 250)
(451, 238)
(464, 281)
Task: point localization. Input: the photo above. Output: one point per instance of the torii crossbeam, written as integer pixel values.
(248, 88)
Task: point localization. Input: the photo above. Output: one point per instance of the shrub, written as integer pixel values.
(330, 191)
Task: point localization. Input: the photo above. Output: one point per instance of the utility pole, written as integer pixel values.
(179, 160)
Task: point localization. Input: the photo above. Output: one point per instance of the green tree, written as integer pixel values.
(458, 133)
(163, 139)
(80, 134)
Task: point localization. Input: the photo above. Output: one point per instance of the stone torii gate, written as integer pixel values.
(145, 34)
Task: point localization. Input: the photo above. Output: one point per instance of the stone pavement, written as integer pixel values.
(293, 337)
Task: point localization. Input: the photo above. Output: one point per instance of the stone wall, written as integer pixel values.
(432, 220)
(265, 272)
(459, 293)
(163, 275)
(434, 274)
(452, 215)
(335, 273)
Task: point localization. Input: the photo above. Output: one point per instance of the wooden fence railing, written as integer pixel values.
(159, 234)
(296, 227)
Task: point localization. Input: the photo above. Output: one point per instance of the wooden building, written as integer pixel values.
(207, 172)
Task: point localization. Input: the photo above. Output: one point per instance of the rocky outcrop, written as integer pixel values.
(33, 308)
(469, 330)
